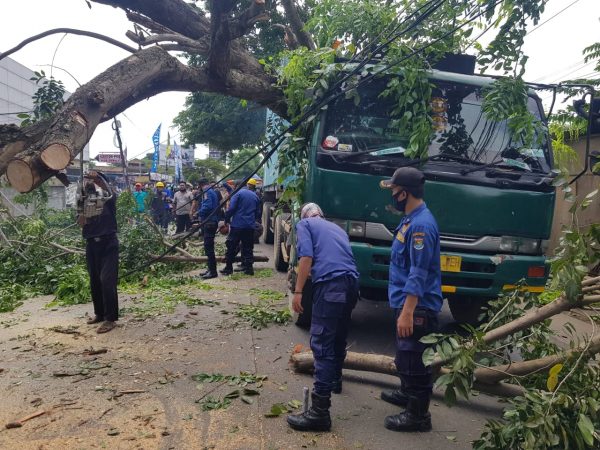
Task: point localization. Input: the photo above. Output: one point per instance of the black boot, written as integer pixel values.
(249, 270)
(227, 270)
(317, 418)
(395, 397)
(415, 418)
(210, 274)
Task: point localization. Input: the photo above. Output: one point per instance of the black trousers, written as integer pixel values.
(333, 302)
(102, 256)
(209, 230)
(183, 223)
(246, 237)
(416, 379)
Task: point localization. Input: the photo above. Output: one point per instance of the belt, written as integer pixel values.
(102, 238)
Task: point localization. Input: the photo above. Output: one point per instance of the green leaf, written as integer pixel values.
(586, 427)
(428, 356)
(276, 410)
(429, 339)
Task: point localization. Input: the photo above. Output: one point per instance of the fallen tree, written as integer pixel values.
(487, 378)
(204, 259)
(221, 39)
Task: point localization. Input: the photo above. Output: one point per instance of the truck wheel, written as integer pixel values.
(267, 234)
(302, 320)
(467, 309)
(278, 260)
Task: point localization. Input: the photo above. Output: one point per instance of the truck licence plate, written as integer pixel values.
(450, 263)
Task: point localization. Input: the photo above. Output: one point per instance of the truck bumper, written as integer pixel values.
(480, 275)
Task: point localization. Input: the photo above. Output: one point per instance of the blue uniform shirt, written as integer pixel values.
(329, 247)
(244, 210)
(415, 262)
(210, 201)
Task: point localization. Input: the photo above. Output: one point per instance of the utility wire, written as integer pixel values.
(555, 15)
(280, 138)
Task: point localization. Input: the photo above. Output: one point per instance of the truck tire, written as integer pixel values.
(278, 260)
(467, 309)
(302, 320)
(267, 234)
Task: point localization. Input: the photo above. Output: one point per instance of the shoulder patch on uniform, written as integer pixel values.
(419, 242)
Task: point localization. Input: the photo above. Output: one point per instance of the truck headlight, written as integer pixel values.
(357, 229)
(513, 244)
(343, 224)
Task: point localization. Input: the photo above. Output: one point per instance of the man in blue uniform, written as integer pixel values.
(324, 252)
(243, 213)
(210, 202)
(415, 293)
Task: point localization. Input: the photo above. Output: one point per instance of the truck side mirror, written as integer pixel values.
(595, 162)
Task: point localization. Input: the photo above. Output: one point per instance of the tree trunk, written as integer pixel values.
(203, 259)
(304, 363)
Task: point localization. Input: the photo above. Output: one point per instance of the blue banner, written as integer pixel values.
(178, 164)
(156, 142)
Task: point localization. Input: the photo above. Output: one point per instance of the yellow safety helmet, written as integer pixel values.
(160, 184)
(252, 182)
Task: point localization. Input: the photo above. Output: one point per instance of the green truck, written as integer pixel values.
(492, 198)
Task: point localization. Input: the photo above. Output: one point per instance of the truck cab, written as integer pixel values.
(493, 199)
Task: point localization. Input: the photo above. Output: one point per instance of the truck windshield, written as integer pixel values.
(368, 132)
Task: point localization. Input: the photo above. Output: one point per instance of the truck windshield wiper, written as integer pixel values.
(505, 162)
(374, 151)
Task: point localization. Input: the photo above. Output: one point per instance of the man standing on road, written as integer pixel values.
(97, 215)
(210, 202)
(159, 206)
(324, 252)
(243, 213)
(182, 204)
(415, 293)
(140, 198)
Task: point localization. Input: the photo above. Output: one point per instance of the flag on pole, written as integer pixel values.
(156, 142)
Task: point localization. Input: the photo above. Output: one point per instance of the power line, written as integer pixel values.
(555, 15)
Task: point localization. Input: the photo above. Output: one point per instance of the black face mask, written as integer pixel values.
(400, 205)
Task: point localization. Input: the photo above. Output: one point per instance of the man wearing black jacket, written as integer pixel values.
(97, 208)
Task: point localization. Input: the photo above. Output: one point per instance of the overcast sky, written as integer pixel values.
(554, 50)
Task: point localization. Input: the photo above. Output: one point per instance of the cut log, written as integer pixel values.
(24, 173)
(490, 375)
(56, 156)
(304, 363)
(203, 259)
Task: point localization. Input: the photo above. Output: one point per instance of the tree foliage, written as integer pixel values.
(224, 123)
(204, 168)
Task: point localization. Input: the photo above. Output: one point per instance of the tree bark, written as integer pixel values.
(203, 259)
(142, 75)
(297, 25)
(304, 363)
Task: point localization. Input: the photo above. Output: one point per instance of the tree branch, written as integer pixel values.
(146, 73)
(302, 36)
(199, 46)
(176, 15)
(68, 31)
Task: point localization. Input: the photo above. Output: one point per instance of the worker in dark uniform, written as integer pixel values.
(415, 293)
(324, 252)
(242, 214)
(97, 208)
(210, 202)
